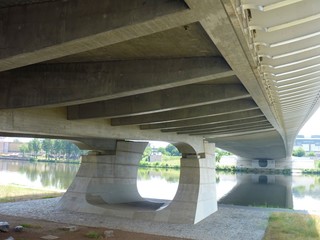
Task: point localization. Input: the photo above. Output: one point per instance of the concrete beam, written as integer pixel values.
(187, 113)
(260, 142)
(52, 123)
(224, 118)
(159, 101)
(212, 126)
(253, 126)
(233, 46)
(62, 84)
(236, 134)
(40, 32)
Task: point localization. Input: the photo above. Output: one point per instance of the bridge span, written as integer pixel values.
(240, 74)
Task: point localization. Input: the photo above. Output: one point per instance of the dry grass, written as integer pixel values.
(12, 193)
(283, 226)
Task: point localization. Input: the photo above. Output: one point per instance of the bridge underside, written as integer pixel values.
(152, 70)
(179, 71)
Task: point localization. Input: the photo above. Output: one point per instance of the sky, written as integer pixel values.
(312, 127)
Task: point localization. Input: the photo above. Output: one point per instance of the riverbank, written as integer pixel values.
(15, 193)
(228, 223)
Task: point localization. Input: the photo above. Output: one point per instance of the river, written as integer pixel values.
(300, 192)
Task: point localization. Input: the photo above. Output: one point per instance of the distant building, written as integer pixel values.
(155, 156)
(9, 147)
(308, 144)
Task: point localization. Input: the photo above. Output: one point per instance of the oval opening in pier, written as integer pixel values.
(159, 172)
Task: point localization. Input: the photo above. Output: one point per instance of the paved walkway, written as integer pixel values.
(228, 223)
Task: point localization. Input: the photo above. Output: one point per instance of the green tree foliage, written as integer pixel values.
(57, 148)
(147, 152)
(34, 146)
(23, 149)
(162, 150)
(299, 152)
(311, 154)
(52, 148)
(47, 145)
(172, 150)
(219, 153)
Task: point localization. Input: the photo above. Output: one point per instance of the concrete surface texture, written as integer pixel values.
(107, 184)
(187, 67)
(242, 75)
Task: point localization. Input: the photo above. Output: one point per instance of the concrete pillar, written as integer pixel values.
(262, 164)
(105, 179)
(106, 184)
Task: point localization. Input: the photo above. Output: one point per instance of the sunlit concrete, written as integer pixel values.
(107, 184)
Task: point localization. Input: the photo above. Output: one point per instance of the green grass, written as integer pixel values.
(287, 226)
(94, 235)
(27, 225)
(13, 193)
(167, 162)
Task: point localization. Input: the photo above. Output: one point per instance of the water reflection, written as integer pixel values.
(260, 190)
(298, 191)
(39, 175)
(158, 183)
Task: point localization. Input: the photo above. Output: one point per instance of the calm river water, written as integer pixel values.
(298, 191)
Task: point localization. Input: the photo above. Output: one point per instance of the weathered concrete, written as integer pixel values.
(159, 101)
(63, 84)
(106, 184)
(187, 113)
(227, 118)
(165, 69)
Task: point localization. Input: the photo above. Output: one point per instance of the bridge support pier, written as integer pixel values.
(264, 163)
(107, 184)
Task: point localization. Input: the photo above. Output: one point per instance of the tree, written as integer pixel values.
(172, 150)
(47, 145)
(147, 152)
(219, 153)
(162, 150)
(298, 152)
(311, 154)
(34, 146)
(23, 149)
(57, 148)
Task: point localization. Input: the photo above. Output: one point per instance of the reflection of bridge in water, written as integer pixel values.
(260, 190)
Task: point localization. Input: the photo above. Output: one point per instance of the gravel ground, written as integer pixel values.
(229, 222)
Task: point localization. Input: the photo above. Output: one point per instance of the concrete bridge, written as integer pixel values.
(241, 74)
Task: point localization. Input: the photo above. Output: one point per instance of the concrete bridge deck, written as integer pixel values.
(242, 74)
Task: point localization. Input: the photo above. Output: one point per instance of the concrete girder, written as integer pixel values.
(60, 28)
(63, 84)
(253, 126)
(260, 143)
(233, 46)
(224, 118)
(159, 101)
(239, 133)
(211, 126)
(52, 123)
(187, 113)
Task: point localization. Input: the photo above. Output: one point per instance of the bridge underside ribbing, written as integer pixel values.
(177, 71)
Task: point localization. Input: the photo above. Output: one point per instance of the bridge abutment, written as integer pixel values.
(107, 184)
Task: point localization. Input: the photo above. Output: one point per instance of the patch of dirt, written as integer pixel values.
(38, 228)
